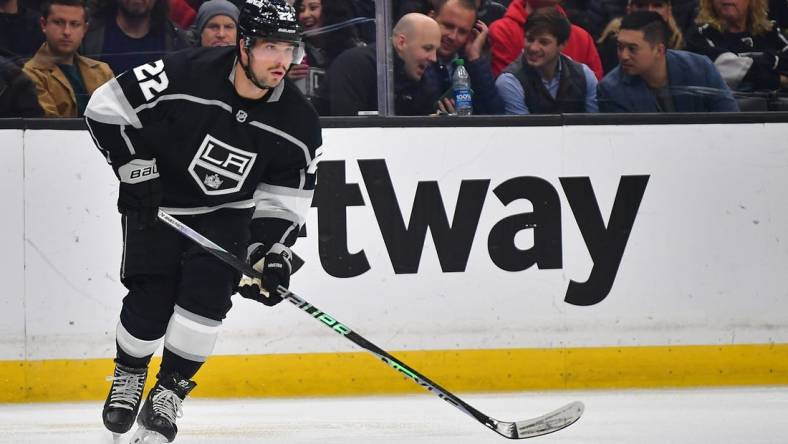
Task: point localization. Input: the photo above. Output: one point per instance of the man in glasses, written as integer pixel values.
(216, 138)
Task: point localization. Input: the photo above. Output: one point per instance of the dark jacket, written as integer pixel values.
(17, 92)
(768, 52)
(571, 97)
(485, 95)
(93, 43)
(21, 33)
(695, 86)
(352, 86)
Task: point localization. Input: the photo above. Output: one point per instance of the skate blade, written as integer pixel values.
(145, 436)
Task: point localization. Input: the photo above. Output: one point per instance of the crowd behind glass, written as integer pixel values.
(522, 56)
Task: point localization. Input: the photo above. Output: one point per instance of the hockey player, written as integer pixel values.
(215, 137)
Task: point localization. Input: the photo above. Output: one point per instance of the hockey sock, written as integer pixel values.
(171, 362)
(189, 341)
(131, 361)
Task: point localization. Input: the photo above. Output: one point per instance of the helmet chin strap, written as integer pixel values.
(248, 67)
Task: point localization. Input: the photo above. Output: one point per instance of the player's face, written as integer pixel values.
(310, 13)
(456, 23)
(270, 61)
(64, 29)
(541, 50)
(661, 7)
(219, 31)
(636, 56)
(136, 8)
(419, 50)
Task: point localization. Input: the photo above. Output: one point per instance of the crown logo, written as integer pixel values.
(213, 181)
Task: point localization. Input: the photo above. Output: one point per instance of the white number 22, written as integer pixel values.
(152, 78)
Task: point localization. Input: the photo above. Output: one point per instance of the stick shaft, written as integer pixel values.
(328, 320)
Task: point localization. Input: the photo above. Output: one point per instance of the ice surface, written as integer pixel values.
(692, 416)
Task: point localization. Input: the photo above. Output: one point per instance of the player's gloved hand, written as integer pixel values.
(140, 191)
(274, 264)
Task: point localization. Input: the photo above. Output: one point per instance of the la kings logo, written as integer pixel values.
(219, 168)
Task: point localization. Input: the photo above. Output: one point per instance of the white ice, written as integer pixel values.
(691, 416)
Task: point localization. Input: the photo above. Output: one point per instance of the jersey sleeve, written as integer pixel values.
(284, 196)
(119, 110)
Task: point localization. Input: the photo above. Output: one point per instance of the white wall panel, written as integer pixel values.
(12, 309)
(704, 263)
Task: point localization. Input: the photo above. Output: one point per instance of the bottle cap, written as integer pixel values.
(459, 62)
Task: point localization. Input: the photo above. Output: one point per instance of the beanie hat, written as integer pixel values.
(211, 9)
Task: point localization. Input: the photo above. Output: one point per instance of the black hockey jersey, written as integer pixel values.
(213, 149)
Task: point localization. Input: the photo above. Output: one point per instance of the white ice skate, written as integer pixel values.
(145, 436)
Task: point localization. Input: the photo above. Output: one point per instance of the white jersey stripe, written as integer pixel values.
(184, 211)
(186, 97)
(126, 139)
(285, 203)
(108, 105)
(288, 137)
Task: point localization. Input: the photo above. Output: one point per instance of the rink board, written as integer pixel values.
(703, 265)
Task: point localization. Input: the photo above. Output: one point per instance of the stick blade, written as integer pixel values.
(549, 423)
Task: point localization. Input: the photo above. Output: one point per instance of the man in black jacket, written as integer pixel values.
(352, 78)
(20, 30)
(17, 92)
(129, 33)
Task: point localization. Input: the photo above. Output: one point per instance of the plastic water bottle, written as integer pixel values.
(461, 83)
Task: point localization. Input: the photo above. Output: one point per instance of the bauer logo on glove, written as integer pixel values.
(274, 266)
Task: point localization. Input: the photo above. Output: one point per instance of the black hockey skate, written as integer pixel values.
(162, 408)
(123, 401)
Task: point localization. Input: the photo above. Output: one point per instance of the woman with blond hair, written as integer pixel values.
(750, 50)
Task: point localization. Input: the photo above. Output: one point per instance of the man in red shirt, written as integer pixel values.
(507, 37)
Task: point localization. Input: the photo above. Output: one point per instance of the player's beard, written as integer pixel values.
(258, 81)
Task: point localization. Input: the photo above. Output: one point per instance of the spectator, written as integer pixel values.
(542, 80)
(651, 78)
(463, 36)
(20, 32)
(750, 51)
(607, 43)
(64, 80)
(326, 36)
(507, 37)
(352, 78)
(129, 33)
(217, 24)
(17, 92)
(601, 12)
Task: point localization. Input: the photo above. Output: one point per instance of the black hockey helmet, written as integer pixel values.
(268, 19)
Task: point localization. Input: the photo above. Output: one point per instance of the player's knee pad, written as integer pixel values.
(190, 335)
(206, 286)
(148, 305)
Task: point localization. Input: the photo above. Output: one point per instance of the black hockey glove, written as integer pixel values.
(274, 264)
(139, 196)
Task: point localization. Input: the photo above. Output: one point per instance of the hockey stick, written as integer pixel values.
(527, 428)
